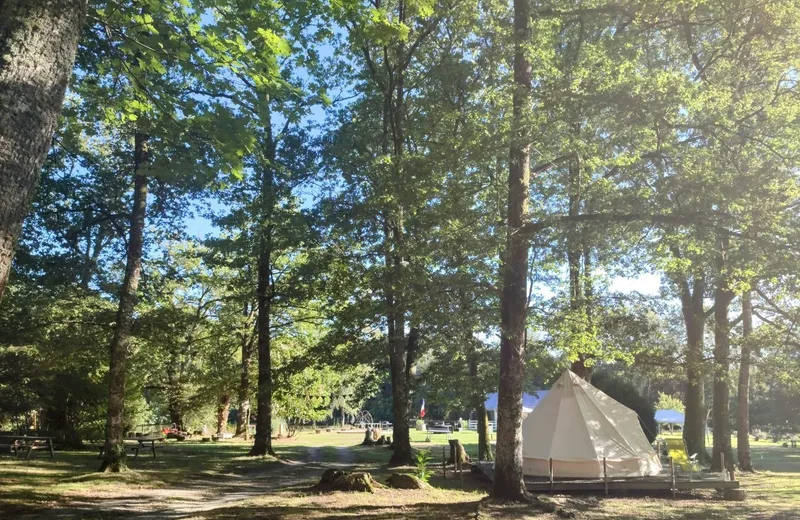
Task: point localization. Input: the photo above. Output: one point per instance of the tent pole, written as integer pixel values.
(605, 476)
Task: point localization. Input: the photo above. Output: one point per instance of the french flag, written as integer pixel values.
(422, 410)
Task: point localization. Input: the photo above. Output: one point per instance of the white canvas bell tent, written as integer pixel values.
(576, 425)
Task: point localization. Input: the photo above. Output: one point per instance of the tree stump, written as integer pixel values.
(735, 495)
(405, 481)
(371, 437)
(329, 476)
(458, 455)
(362, 482)
(337, 480)
(368, 438)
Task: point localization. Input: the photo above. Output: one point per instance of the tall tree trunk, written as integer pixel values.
(743, 397)
(574, 256)
(723, 297)
(263, 437)
(588, 287)
(244, 385)
(175, 397)
(588, 301)
(508, 483)
(399, 363)
(223, 408)
(484, 446)
(479, 403)
(38, 39)
(401, 440)
(694, 319)
(114, 454)
(573, 240)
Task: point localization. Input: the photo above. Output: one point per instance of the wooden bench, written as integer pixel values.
(140, 443)
(133, 448)
(28, 448)
(11, 447)
(17, 444)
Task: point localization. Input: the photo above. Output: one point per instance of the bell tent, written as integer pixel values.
(576, 425)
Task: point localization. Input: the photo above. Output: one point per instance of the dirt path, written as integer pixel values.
(194, 496)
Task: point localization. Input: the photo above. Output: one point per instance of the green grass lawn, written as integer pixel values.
(219, 480)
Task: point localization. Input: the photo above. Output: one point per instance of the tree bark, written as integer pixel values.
(38, 39)
(508, 483)
(402, 455)
(694, 319)
(263, 438)
(244, 385)
(723, 297)
(114, 453)
(743, 396)
(484, 446)
(223, 408)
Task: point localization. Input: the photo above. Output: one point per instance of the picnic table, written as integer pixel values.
(141, 441)
(27, 443)
(439, 428)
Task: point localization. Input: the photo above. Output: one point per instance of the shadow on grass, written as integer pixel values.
(366, 509)
(219, 480)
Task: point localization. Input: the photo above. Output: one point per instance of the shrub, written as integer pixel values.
(422, 471)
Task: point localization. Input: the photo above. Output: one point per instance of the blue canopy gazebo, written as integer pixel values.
(529, 402)
(669, 417)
